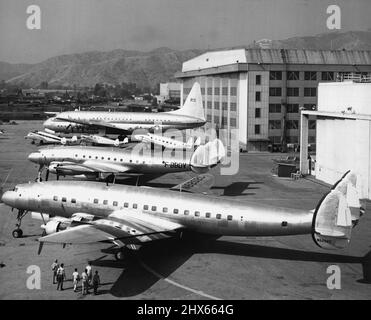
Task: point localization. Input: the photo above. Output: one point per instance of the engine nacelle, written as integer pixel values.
(51, 227)
(54, 226)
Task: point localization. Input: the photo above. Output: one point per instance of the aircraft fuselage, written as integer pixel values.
(194, 212)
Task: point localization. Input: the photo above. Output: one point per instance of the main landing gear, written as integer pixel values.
(18, 233)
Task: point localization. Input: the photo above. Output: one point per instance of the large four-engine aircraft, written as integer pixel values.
(128, 216)
(190, 115)
(94, 162)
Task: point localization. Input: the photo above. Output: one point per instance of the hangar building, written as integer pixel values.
(343, 132)
(259, 92)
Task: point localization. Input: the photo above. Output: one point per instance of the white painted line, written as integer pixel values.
(203, 294)
(6, 179)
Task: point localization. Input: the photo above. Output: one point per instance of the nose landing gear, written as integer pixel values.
(18, 233)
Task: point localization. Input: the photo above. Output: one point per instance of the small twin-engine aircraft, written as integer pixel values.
(103, 141)
(190, 115)
(166, 142)
(101, 162)
(43, 137)
(76, 212)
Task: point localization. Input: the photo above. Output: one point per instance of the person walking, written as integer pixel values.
(96, 282)
(76, 279)
(84, 279)
(61, 276)
(55, 267)
(89, 272)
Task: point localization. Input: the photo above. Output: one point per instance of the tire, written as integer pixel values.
(17, 233)
(119, 255)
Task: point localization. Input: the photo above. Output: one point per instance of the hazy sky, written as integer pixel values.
(72, 26)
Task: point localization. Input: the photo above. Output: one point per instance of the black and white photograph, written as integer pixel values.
(190, 152)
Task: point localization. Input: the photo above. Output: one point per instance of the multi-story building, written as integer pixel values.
(260, 92)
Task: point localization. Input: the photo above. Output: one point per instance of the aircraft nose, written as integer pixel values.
(35, 157)
(8, 198)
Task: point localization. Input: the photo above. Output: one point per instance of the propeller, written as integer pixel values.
(41, 243)
(47, 174)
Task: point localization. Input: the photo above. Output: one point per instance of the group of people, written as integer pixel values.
(87, 278)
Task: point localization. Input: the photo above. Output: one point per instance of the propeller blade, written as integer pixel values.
(41, 243)
(47, 174)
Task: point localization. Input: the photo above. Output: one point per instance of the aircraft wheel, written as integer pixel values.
(17, 233)
(119, 255)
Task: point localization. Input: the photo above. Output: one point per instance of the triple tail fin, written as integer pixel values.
(337, 213)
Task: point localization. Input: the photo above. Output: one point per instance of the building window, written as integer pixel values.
(274, 108)
(258, 79)
(216, 119)
(233, 106)
(310, 92)
(209, 105)
(210, 91)
(275, 92)
(216, 105)
(312, 124)
(257, 113)
(275, 139)
(292, 108)
(233, 122)
(292, 124)
(310, 75)
(216, 91)
(292, 92)
(293, 75)
(224, 105)
(257, 129)
(225, 91)
(257, 96)
(309, 106)
(292, 139)
(327, 76)
(208, 117)
(274, 124)
(312, 139)
(233, 91)
(275, 75)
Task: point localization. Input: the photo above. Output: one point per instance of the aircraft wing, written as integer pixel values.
(198, 184)
(121, 227)
(92, 166)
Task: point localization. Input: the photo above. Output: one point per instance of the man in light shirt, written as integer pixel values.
(76, 279)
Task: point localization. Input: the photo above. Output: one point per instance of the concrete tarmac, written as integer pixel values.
(195, 267)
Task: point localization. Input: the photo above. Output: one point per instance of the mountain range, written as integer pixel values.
(146, 69)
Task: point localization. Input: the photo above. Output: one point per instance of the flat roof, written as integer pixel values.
(337, 115)
(237, 60)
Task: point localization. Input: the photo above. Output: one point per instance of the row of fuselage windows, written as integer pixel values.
(109, 158)
(150, 208)
(129, 119)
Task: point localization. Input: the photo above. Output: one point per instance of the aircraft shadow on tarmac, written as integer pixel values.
(166, 256)
(238, 188)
